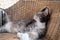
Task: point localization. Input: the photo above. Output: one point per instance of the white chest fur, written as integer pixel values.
(40, 25)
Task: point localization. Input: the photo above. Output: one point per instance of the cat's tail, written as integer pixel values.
(4, 15)
(4, 21)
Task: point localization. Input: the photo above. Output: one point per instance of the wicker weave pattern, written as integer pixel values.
(26, 10)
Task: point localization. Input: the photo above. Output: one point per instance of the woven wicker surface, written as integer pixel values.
(26, 10)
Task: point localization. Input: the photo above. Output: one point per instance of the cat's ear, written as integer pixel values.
(45, 11)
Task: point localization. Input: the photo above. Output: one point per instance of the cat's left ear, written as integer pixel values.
(45, 11)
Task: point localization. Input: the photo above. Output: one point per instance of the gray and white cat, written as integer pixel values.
(31, 29)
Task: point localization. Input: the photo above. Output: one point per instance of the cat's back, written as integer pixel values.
(23, 22)
(22, 25)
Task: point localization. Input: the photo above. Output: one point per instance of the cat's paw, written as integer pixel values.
(19, 34)
(23, 36)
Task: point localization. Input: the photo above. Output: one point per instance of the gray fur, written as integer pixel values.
(35, 27)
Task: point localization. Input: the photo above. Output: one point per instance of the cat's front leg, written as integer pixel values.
(23, 36)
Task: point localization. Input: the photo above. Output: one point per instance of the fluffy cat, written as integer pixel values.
(32, 29)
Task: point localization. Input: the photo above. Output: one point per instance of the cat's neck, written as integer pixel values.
(40, 24)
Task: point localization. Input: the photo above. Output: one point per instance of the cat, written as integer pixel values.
(32, 29)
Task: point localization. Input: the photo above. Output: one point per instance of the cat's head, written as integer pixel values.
(43, 15)
(3, 17)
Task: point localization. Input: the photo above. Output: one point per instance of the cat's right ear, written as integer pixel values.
(45, 11)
